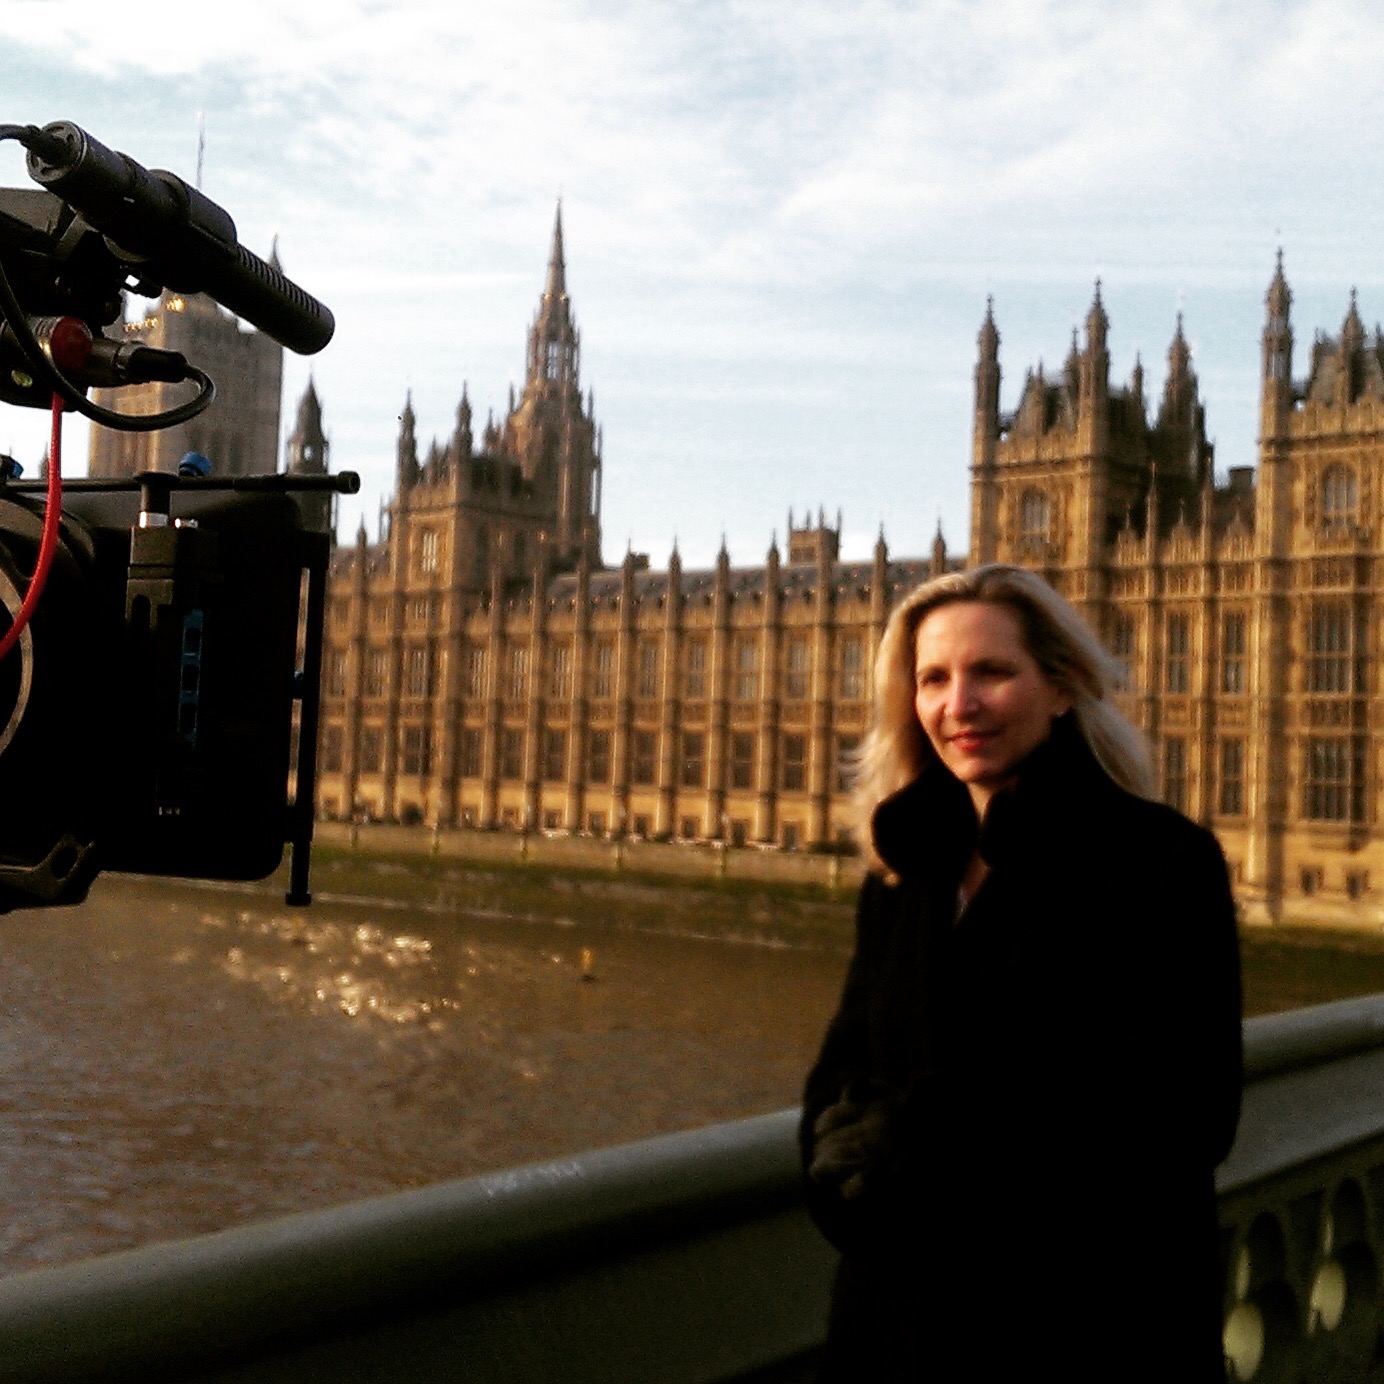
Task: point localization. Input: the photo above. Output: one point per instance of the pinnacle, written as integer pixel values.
(989, 338)
(309, 410)
(557, 264)
(1179, 352)
(1096, 317)
(1279, 297)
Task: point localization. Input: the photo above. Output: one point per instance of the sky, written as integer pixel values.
(782, 218)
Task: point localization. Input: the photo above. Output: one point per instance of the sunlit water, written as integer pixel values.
(174, 1060)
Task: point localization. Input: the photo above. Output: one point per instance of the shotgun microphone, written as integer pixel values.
(170, 232)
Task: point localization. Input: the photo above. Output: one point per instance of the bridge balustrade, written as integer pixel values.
(688, 1259)
(1302, 1200)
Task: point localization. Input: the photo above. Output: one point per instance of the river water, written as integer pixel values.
(175, 1060)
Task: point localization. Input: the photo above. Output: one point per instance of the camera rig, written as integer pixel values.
(161, 636)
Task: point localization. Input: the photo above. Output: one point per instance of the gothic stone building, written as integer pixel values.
(1245, 616)
(482, 668)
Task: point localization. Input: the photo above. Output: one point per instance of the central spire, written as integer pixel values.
(553, 339)
(546, 431)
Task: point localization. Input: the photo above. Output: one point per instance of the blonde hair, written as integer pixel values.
(897, 749)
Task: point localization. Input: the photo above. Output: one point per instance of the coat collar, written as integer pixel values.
(931, 823)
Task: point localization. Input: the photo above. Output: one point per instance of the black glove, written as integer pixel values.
(848, 1139)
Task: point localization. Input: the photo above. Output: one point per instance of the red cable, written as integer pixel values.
(48, 543)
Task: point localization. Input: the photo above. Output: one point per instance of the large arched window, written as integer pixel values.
(1035, 520)
(1339, 502)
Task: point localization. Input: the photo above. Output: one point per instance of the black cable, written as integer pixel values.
(206, 393)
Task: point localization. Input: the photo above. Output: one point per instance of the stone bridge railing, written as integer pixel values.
(1302, 1200)
(688, 1259)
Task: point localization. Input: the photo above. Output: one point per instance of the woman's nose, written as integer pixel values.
(961, 700)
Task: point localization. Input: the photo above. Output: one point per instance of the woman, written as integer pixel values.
(1011, 1129)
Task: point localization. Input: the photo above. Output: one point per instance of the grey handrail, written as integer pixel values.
(168, 1309)
(1277, 1043)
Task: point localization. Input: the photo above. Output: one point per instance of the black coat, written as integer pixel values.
(1056, 1075)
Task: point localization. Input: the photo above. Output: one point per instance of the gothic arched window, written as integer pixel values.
(1035, 518)
(1339, 504)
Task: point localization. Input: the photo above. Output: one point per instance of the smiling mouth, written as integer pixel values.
(972, 740)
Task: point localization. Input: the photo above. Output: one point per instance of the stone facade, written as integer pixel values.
(1246, 615)
(679, 704)
(483, 669)
(239, 432)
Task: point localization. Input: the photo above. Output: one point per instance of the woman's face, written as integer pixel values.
(981, 698)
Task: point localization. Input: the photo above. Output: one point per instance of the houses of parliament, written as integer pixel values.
(484, 668)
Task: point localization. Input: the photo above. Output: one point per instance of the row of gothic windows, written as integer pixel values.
(1335, 642)
(415, 750)
(689, 770)
(796, 680)
(419, 611)
(1228, 799)
(1178, 652)
(1333, 777)
(416, 756)
(1339, 507)
(1332, 780)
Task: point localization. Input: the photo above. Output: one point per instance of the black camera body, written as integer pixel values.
(158, 712)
